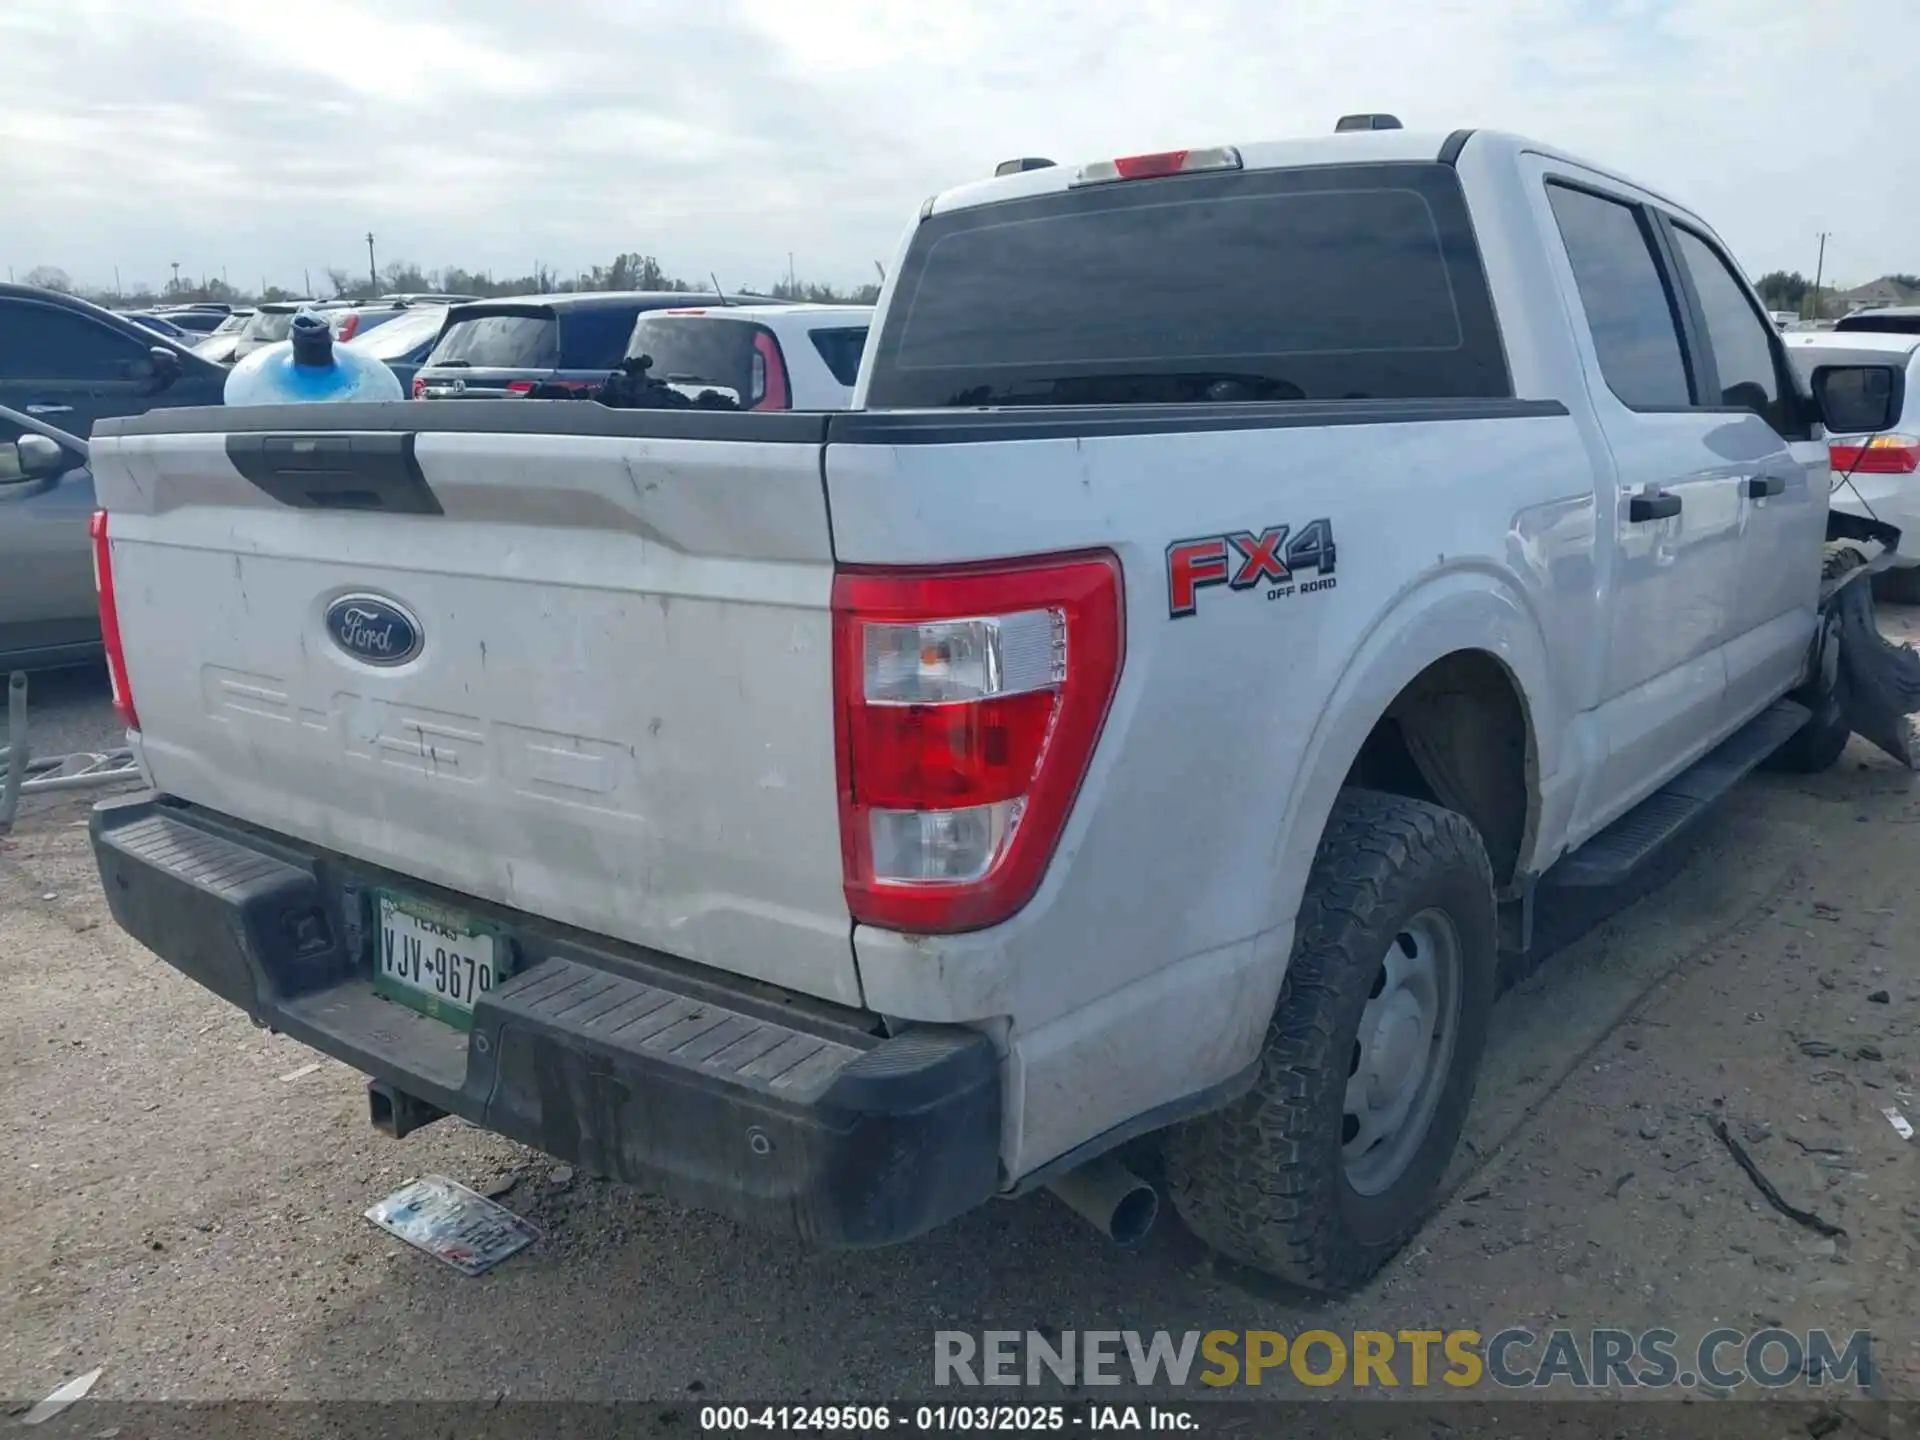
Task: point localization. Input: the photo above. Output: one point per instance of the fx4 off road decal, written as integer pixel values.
(1271, 560)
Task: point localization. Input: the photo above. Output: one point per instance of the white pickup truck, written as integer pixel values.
(1248, 578)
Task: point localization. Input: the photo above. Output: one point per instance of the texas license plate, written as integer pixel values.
(435, 960)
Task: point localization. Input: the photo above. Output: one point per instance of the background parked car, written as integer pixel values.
(499, 348)
(762, 357)
(404, 342)
(1885, 320)
(224, 339)
(199, 319)
(68, 362)
(160, 325)
(48, 613)
(352, 320)
(1876, 476)
(270, 324)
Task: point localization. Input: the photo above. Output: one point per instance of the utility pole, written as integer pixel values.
(1819, 270)
(116, 282)
(306, 279)
(793, 292)
(373, 273)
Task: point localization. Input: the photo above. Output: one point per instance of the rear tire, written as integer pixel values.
(1308, 1177)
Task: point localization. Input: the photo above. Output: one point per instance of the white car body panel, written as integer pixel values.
(658, 763)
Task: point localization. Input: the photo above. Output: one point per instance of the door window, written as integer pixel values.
(41, 342)
(1740, 337)
(1631, 313)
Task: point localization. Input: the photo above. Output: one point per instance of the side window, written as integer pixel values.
(1630, 312)
(841, 351)
(16, 348)
(40, 342)
(1743, 354)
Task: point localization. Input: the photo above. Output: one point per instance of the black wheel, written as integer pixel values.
(1901, 585)
(1322, 1171)
(1818, 744)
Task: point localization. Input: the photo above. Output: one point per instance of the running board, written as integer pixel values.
(1629, 842)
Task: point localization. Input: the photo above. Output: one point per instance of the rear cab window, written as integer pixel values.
(697, 350)
(524, 338)
(741, 359)
(1326, 283)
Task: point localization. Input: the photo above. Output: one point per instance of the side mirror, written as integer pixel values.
(166, 367)
(1859, 399)
(31, 459)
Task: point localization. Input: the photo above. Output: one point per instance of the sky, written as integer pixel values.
(265, 138)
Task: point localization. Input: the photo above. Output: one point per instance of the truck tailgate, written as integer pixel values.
(619, 715)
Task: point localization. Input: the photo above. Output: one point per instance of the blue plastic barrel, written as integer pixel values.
(309, 369)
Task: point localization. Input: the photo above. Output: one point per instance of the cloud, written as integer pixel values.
(269, 139)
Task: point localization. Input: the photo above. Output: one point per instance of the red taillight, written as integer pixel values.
(519, 387)
(768, 384)
(110, 622)
(968, 705)
(1161, 162)
(1880, 455)
(348, 325)
(419, 387)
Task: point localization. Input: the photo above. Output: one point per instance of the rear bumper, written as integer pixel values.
(730, 1097)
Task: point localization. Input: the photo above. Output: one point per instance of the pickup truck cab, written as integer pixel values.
(1247, 580)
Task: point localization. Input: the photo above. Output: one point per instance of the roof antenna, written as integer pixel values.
(716, 288)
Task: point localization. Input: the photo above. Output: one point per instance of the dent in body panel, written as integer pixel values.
(1097, 1067)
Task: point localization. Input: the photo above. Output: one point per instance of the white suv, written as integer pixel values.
(761, 357)
(1876, 476)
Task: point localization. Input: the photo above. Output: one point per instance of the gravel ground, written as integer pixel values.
(181, 1196)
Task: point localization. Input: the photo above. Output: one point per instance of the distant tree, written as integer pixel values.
(404, 278)
(342, 283)
(1905, 281)
(1783, 289)
(49, 277)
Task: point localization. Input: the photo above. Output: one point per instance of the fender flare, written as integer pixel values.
(1465, 608)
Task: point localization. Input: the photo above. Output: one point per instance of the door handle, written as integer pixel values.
(49, 409)
(1652, 504)
(1758, 487)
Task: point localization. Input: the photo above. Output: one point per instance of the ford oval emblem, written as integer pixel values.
(374, 629)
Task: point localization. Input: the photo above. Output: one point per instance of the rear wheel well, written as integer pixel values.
(1458, 736)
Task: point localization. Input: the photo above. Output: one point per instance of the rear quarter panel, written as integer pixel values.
(1148, 964)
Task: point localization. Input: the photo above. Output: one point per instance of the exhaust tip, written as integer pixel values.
(1134, 1216)
(1111, 1198)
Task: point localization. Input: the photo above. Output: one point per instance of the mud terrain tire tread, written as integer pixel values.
(1261, 1180)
